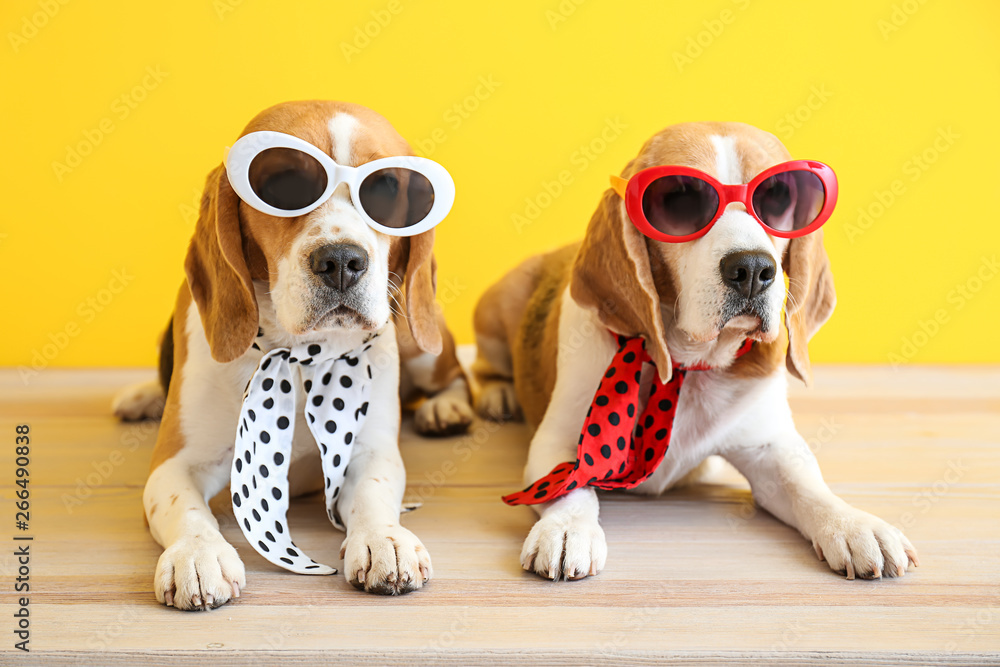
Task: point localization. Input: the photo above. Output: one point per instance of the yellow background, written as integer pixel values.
(562, 72)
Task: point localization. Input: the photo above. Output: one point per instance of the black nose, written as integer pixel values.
(340, 265)
(749, 272)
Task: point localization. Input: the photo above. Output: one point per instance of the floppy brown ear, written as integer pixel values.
(612, 275)
(217, 272)
(412, 258)
(811, 299)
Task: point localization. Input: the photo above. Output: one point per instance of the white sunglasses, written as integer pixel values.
(285, 176)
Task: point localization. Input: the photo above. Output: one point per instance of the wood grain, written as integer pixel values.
(700, 576)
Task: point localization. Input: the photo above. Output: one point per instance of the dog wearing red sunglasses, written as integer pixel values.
(258, 281)
(684, 267)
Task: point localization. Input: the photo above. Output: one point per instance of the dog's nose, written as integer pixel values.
(749, 272)
(340, 265)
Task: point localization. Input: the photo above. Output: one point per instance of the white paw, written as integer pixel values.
(498, 402)
(199, 573)
(859, 544)
(386, 561)
(560, 547)
(143, 400)
(447, 413)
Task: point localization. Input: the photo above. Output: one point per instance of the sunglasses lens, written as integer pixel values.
(679, 205)
(396, 197)
(789, 201)
(287, 178)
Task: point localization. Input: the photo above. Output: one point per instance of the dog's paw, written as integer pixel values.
(199, 573)
(858, 544)
(386, 561)
(143, 400)
(559, 547)
(498, 402)
(447, 413)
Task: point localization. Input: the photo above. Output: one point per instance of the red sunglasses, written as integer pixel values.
(677, 204)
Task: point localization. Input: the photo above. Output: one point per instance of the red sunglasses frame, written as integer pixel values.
(633, 189)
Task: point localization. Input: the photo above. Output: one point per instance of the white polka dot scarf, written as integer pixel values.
(337, 390)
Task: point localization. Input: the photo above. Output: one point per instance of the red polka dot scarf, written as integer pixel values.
(618, 450)
(337, 387)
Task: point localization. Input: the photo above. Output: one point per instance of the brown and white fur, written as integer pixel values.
(542, 335)
(246, 270)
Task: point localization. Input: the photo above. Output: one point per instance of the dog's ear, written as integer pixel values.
(811, 298)
(612, 276)
(217, 272)
(411, 260)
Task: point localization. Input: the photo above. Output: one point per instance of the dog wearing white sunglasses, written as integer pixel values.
(683, 265)
(318, 229)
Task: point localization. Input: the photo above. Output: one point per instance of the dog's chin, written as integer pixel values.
(749, 325)
(345, 318)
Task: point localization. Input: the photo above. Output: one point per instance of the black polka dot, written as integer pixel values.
(326, 378)
(648, 421)
(638, 376)
(285, 559)
(328, 482)
(614, 419)
(308, 384)
(638, 431)
(293, 360)
(621, 387)
(236, 499)
(352, 361)
(318, 400)
(338, 403)
(369, 369)
(269, 403)
(364, 408)
(239, 465)
(331, 426)
(572, 485)
(312, 418)
(263, 503)
(292, 552)
(540, 494)
(605, 451)
(267, 384)
(265, 437)
(649, 453)
(246, 491)
(246, 523)
(589, 459)
(282, 422)
(661, 434)
(276, 492)
(278, 527)
(336, 461)
(256, 515)
(264, 472)
(665, 404)
(601, 401)
(336, 492)
(269, 535)
(594, 430)
(621, 468)
(629, 357)
(630, 410)
(246, 456)
(610, 372)
(286, 387)
(252, 415)
(279, 458)
(345, 381)
(262, 545)
(267, 362)
(543, 485)
(315, 349)
(348, 438)
(621, 443)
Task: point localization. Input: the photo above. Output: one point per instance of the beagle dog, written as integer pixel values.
(253, 284)
(544, 345)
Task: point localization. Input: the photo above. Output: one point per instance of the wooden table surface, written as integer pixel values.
(697, 576)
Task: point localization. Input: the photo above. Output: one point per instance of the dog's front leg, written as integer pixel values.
(380, 556)
(567, 541)
(786, 481)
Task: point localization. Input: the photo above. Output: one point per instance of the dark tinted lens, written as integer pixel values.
(679, 205)
(396, 197)
(790, 200)
(287, 178)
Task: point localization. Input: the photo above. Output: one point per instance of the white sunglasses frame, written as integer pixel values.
(238, 158)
